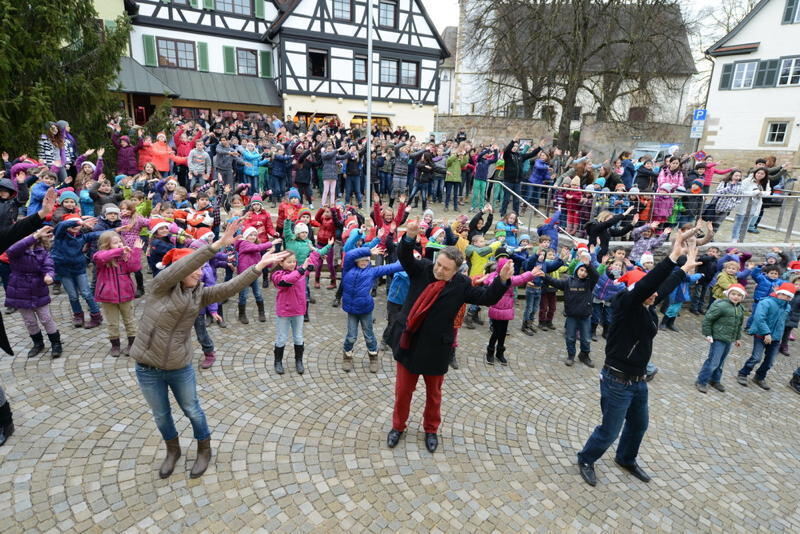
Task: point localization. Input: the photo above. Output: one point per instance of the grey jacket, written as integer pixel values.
(223, 160)
(165, 330)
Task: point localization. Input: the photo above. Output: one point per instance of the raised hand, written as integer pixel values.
(412, 229)
(228, 236)
(270, 258)
(138, 243)
(100, 152)
(507, 271)
(49, 203)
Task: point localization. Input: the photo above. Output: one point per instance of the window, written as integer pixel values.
(776, 133)
(743, 75)
(343, 9)
(790, 72)
(575, 114)
(387, 13)
(239, 7)
(637, 114)
(318, 63)
(409, 74)
(246, 62)
(388, 72)
(178, 54)
(360, 69)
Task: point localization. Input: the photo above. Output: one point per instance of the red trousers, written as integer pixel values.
(404, 387)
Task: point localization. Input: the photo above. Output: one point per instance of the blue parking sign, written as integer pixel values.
(699, 115)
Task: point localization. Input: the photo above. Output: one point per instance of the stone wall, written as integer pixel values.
(483, 129)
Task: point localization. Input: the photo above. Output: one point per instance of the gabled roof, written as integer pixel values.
(288, 6)
(714, 49)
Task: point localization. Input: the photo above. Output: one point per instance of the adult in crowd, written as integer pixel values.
(423, 335)
(513, 172)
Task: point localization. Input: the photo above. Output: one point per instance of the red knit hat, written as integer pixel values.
(736, 287)
(785, 288)
(172, 256)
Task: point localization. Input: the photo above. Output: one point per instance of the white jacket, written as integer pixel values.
(751, 189)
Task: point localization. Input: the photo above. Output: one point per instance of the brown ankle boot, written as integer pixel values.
(173, 453)
(203, 458)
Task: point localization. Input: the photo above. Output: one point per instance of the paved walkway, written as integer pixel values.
(307, 453)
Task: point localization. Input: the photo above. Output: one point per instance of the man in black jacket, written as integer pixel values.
(623, 386)
(513, 171)
(423, 335)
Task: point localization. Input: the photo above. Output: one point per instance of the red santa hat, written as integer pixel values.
(785, 288)
(794, 265)
(204, 233)
(71, 217)
(155, 224)
(632, 277)
(735, 287)
(172, 256)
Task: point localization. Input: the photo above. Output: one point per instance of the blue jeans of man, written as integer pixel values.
(533, 296)
(451, 189)
(79, 284)
(437, 189)
(761, 349)
(353, 321)
(201, 331)
(508, 196)
(621, 403)
(601, 313)
(282, 325)
(352, 185)
(155, 383)
(575, 326)
(256, 287)
(712, 368)
(276, 184)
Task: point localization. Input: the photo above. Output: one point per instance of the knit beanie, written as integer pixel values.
(647, 257)
(299, 228)
(772, 255)
(110, 208)
(68, 195)
(249, 230)
(293, 193)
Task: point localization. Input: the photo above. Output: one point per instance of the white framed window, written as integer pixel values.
(409, 74)
(776, 133)
(177, 54)
(360, 69)
(387, 13)
(744, 74)
(343, 9)
(239, 7)
(389, 70)
(790, 71)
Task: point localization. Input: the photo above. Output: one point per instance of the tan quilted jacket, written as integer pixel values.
(164, 337)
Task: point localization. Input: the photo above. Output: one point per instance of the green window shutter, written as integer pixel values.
(208, 4)
(260, 11)
(266, 64)
(229, 59)
(202, 56)
(771, 76)
(194, 3)
(150, 57)
(761, 72)
(727, 77)
(789, 12)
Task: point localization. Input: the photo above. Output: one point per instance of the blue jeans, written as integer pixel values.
(533, 296)
(154, 384)
(621, 402)
(437, 188)
(256, 287)
(601, 314)
(76, 284)
(365, 320)
(352, 185)
(282, 325)
(201, 331)
(738, 222)
(423, 190)
(574, 326)
(712, 368)
(451, 189)
(508, 196)
(759, 350)
(276, 183)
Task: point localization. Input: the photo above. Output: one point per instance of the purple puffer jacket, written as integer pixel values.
(504, 309)
(249, 253)
(114, 284)
(290, 300)
(26, 288)
(127, 160)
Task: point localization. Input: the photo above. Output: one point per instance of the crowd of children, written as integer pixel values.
(95, 243)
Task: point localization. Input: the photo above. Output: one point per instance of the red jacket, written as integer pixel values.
(327, 227)
(399, 216)
(181, 148)
(261, 221)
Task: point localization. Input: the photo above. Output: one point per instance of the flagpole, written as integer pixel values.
(368, 192)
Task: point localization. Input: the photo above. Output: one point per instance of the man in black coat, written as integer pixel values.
(9, 236)
(512, 176)
(423, 335)
(623, 385)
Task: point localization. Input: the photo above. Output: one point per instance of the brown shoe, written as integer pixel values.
(347, 361)
(173, 453)
(203, 458)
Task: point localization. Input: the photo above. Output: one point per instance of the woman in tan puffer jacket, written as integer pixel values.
(163, 350)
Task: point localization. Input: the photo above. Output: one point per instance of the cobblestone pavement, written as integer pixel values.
(307, 453)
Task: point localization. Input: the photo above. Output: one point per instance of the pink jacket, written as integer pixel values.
(290, 300)
(668, 177)
(504, 309)
(249, 253)
(114, 282)
(710, 171)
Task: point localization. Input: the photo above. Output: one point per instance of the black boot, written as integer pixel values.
(453, 362)
(38, 345)
(794, 383)
(663, 324)
(500, 356)
(55, 344)
(594, 332)
(490, 355)
(477, 317)
(298, 359)
(604, 335)
(6, 422)
(671, 324)
(243, 314)
(585, 359)
(262, 318)
(279, 360)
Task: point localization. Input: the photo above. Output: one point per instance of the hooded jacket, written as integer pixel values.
(126, 155)
(9, 208)
(114, 284)
(577, 291)
(514, 160)
(67, 251)
(723, 321)
(770, 318)
(29, 265)
(357, 283)
(503, 310)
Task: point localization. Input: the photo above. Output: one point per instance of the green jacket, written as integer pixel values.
(454, 165)
(301, 247)
(723, 321)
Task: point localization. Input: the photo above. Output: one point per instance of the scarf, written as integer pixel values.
(419, 311)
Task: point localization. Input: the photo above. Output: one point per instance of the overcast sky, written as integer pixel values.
(443, 12)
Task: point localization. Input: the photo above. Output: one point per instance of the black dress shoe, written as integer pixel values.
(393, 438)
(431, 442)
(587, 473)
(635, 470)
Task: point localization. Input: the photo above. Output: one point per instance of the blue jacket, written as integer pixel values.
(511, 238)
(483, 164)
(549, 229)
(87, 204)
(67, 251)
(355, 237)
(764, 286)
(280, 166)
(770, 318)
(547, 267)
(398, 291)
(37, 196)
(253, 158)
(357, 283)
(541, 172)
(681, 293)
(607, 288)
(628, 173)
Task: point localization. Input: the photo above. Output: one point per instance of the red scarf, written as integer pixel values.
(419, 311)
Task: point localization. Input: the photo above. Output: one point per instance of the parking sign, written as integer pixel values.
(699, 115)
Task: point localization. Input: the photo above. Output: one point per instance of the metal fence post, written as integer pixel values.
(780, 214)
(790, 226)
(746, 222)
